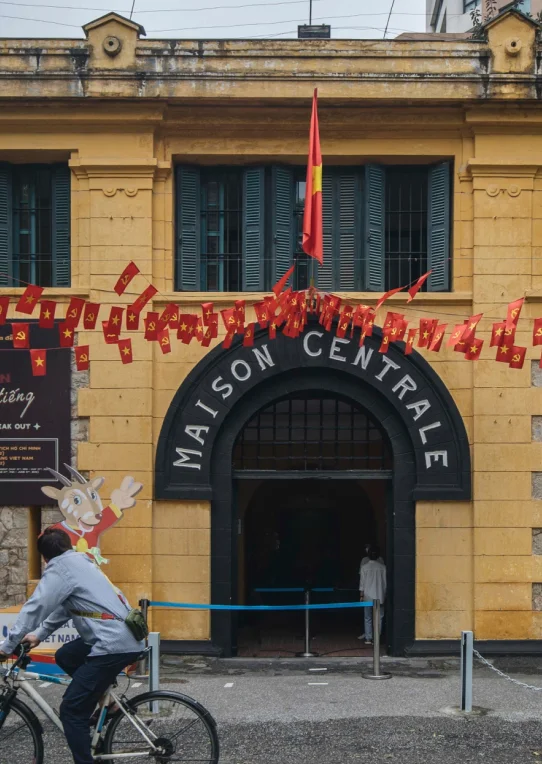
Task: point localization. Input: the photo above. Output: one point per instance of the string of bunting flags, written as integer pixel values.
(286, 310)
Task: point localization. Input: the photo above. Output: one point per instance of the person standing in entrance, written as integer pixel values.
(372, 586)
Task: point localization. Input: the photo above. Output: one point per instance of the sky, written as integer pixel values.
(216, 18)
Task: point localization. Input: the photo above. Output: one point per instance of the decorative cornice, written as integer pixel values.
(126, 168)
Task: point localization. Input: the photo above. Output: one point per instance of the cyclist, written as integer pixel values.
(73, 587)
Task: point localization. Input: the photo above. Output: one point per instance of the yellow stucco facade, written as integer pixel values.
(124, 122)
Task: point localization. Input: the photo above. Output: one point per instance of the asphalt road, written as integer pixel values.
(333, 718)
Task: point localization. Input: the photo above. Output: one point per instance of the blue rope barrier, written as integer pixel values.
(327, 606)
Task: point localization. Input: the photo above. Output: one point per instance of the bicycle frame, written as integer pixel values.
(21, 680)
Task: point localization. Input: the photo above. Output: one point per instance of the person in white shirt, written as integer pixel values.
(365, 559)
(372, 586)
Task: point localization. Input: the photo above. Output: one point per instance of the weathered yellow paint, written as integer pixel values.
(123, 126)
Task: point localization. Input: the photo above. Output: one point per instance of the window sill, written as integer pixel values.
(369, 298)
(57, 293)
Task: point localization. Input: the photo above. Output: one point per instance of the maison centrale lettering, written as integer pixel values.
(314, 348)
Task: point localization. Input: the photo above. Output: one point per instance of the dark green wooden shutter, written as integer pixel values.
(348, 215)
(188, 204)
(282, 221)
(375, 227)
(325, 272)
(61, 226)
(5, 224)
(438, 228)
(253, 229)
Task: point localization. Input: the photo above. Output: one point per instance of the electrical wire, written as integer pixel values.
(41, 21)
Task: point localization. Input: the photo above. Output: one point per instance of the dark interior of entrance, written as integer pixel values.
(305, 523)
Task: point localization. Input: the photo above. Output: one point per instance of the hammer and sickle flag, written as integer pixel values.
(90, 315)
(125, 278)
(82, 357)
(20, 335)
(73, 314)
(164, 341)
(537, 331)
(313, 243)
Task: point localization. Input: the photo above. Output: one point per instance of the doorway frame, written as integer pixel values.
(401, 513)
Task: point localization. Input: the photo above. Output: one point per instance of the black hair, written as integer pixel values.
(53, 542)
(373, 553)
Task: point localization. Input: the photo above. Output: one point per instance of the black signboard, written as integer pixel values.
(34, 416)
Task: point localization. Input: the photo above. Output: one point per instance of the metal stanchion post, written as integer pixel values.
(467, 643)
(142, 665)
(377, 674)
(307, 653)
(154, 667)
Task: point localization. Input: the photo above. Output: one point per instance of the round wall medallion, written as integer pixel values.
(514, 190)
(112, 45)
(492, 190)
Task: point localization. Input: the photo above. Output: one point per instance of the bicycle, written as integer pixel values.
(140, 729)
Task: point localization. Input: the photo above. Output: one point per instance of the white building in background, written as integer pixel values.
(455, 15)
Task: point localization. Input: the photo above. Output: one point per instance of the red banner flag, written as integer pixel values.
(38, 359)
(207, 311)
(187, 327)
(438, 336)
(281, 283)
(472, 323)
(170, 314)
(240, 315)
(248, 338)
(261, 309)
(386, 295)
(73, 314)
(537, 331)
(143, 299)
(114, 321)
(28, 299)
(427, 329)
(512, 314)
(47, 314)
(126, 276)
(125, 350)
(151, 326)
(4, 305)
(65, 333)
(312, 217)
(518, 357)
(132, 320)
(474, 348)
(415, 288)
(409, 345)
(497, 334)
(20, 333)
(504, 353)
(456, 335)
(90, 316)
(385, 344)
(164, 341)
(82, 357)
(228, 339)
(111, 336)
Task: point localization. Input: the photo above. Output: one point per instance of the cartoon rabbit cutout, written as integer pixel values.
(85, 518)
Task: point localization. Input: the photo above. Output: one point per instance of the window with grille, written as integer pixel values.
(34, 225)
(311, 432)
(240, 229)
(470, 5)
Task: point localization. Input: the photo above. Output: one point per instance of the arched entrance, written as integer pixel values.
(406, 401)
(297, 531)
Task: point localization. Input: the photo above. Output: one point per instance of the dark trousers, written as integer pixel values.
(90, 679)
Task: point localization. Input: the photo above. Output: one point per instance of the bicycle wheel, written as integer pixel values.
(181, 728)
(20, 734)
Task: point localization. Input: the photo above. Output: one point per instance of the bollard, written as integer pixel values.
(153, 642)
(142, 665)
(307, 653)
(467, 644)
(377, 674)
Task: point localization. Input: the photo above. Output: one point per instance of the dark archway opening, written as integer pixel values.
(306, 533)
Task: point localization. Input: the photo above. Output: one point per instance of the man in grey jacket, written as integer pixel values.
(73, 587)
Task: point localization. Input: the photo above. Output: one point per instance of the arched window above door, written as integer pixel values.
(311, 432)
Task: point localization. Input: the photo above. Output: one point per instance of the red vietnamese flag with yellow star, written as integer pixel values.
(312, 219)
(38, 359)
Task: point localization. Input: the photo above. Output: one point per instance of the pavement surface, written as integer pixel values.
(284, 713)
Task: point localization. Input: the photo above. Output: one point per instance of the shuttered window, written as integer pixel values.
(407, 226)
(35, 225)
(240, 229)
